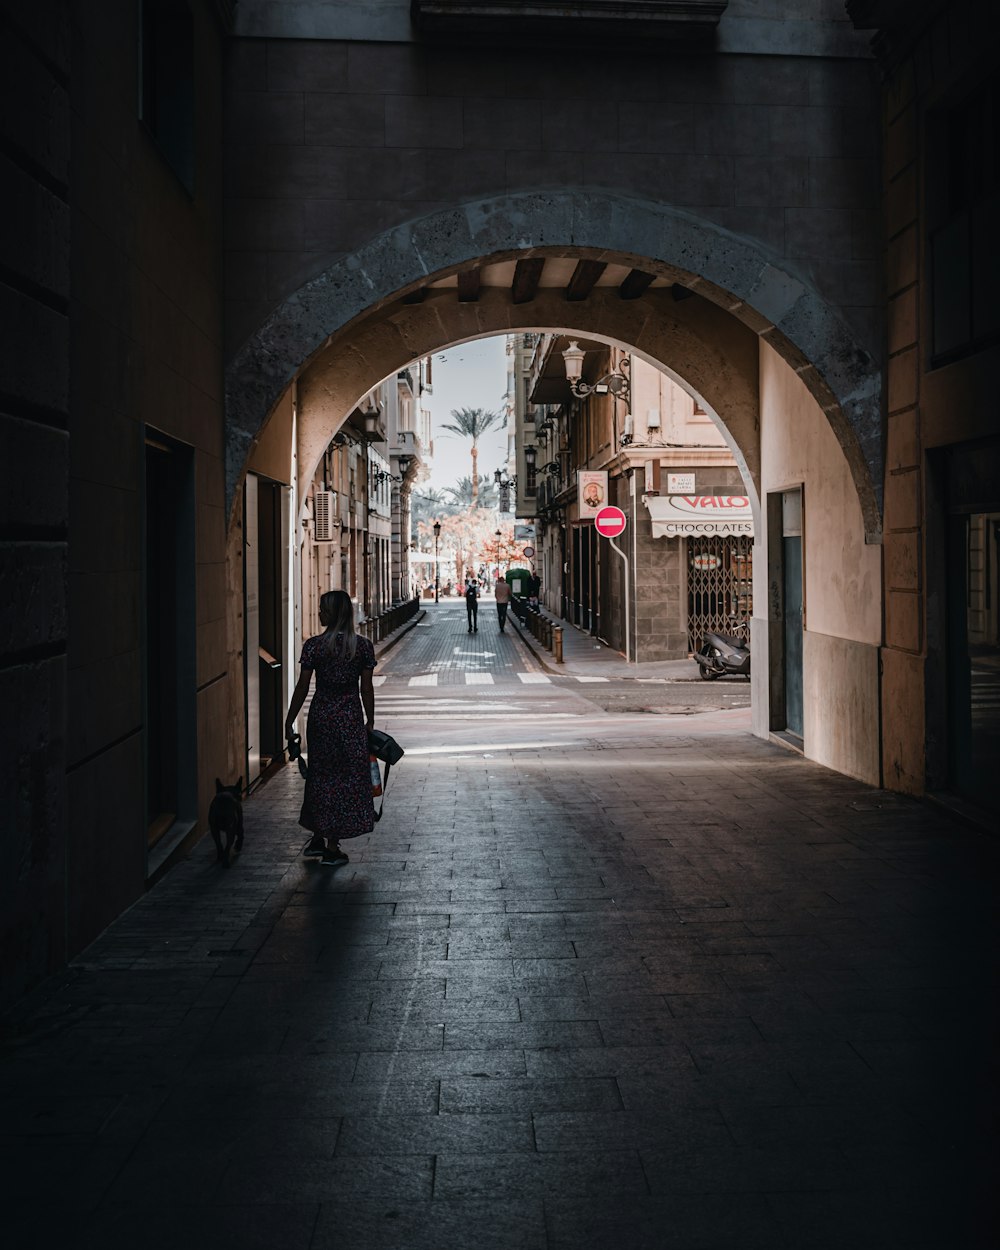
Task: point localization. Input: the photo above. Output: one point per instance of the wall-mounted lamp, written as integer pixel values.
(505, 484)
(615, 383)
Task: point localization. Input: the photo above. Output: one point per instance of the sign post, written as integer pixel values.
(610, 522)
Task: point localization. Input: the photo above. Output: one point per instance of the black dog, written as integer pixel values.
(225, 815)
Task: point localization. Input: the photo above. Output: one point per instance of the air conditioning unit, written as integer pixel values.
(324, 506)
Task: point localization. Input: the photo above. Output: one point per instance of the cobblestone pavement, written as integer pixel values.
(594, 981)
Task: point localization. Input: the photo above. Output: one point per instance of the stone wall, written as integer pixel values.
(37, 62)
(332, 143)
(931, 408)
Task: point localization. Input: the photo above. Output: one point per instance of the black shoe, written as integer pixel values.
(316, 847)
(476, 630)
(333, 858)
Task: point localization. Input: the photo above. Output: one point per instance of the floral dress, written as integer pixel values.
(338, 799)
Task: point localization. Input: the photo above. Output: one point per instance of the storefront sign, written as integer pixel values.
(680, 516)
(592, 492)
(524, 533)
(705, 562)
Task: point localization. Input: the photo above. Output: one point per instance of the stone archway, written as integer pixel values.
(728, 271)
(719, 356)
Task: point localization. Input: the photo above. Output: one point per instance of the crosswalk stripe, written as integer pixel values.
(592, 678)
(377, 681)
(425, 679)
(534, 679)
(479, 679)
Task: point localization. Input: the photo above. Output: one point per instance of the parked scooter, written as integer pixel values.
(721, 654)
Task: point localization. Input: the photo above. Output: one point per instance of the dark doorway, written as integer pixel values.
(266, 580)
(973, 657)
(785, 611)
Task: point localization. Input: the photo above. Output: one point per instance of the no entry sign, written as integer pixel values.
(610, 522)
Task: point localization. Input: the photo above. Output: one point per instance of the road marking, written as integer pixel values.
(377, 681)
(425, 679)
(593, 678)
(534, 679)
(479, 679)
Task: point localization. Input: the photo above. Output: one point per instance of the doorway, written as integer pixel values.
(266, 623)
(973, 657)
(786, 612)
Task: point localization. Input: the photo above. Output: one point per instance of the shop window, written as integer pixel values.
(166, 103)
(963, 207)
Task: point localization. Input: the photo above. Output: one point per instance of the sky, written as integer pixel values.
(473, 375)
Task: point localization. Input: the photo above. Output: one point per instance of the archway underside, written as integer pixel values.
(681, 292)
(705, 349)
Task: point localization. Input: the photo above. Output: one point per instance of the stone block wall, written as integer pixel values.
(330, 144)
(931, 407)
(145, 360)
(34, 503)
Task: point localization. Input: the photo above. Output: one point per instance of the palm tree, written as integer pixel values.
(473, 423)
(425, 506)
(462, 494)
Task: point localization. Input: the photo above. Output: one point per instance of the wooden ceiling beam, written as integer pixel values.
(636, 284)
(415, 297)
(584, 277)
(468, 286)
(527, 274)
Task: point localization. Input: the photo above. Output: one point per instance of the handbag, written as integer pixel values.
(384, 747)
(387, 749)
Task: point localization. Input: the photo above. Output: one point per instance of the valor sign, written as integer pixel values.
(680, 516)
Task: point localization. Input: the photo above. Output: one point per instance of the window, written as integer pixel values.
(963, 207)
(166, 103)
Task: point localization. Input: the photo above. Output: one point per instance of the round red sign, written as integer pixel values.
(610, 522)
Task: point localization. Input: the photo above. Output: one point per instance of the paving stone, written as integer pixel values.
(489, 1224)
(721, 999)
(563, 1172)
(727, 1222)
(435, 1134)
(528, 1095)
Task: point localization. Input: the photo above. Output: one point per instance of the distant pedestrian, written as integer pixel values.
(502, 592)
(338, 798)
(472, 604)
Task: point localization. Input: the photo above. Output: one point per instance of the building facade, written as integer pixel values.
(637, 437)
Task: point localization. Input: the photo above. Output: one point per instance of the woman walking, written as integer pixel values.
(338, 799)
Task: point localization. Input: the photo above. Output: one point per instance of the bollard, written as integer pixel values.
(557, 639)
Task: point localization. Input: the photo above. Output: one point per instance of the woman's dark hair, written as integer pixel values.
(336, 612)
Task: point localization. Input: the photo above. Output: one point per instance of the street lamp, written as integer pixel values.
(499, 536)
(616, 382)
(437, 571)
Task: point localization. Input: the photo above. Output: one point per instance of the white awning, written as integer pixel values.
(683, 516)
